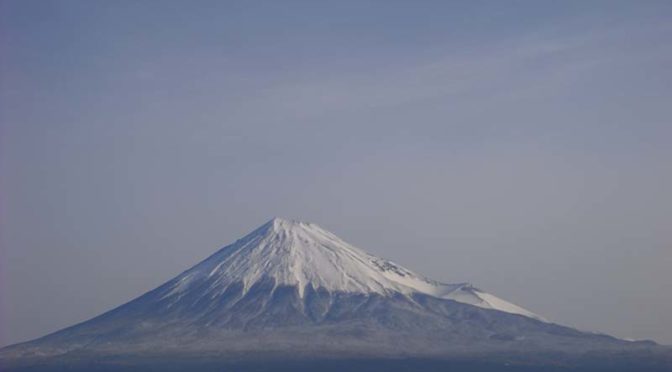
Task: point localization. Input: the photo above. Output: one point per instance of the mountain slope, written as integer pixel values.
(293, 287)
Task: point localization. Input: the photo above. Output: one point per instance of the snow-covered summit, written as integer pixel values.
(293, 288)
(300, 254)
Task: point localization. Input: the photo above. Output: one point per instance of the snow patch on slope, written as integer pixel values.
(468, 294)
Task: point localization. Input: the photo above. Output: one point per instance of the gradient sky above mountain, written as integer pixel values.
(520, 146)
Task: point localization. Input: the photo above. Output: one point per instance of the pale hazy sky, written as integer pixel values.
(525, 147)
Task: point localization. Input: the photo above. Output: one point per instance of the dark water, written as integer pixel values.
(368, 365)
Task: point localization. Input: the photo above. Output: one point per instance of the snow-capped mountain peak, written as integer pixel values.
(301, 255)
(293, 288)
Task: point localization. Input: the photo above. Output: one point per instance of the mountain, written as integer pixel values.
(291, 290)
(306, 257)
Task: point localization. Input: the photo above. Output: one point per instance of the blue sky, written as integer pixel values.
(523, 146)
